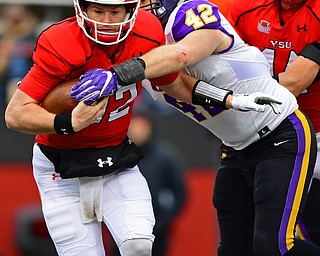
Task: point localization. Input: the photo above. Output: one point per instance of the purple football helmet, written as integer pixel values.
(160, 8)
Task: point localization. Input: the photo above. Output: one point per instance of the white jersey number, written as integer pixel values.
(125, 107)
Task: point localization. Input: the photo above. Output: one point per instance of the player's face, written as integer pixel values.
(288, 4)
(106, 14)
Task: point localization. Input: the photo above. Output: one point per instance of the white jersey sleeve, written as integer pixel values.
(240, 68)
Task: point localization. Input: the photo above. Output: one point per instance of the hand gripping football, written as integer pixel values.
(58, 100)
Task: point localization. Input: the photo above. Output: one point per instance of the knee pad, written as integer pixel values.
(136, 247)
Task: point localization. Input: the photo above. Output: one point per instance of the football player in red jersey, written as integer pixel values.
(288, 34)
(98, 178)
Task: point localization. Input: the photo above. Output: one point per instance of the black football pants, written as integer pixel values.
(261, 190)
(309, 223)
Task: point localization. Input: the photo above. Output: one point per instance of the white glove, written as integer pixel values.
(256, 101)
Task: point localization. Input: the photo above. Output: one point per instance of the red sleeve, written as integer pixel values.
(165, 80)
(55, 58)
(37, 83)
(44, 73)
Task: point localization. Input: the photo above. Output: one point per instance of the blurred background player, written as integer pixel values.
(163, 167)
(288, 34)
(17, 41)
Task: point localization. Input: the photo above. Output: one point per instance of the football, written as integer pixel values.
(58, 100)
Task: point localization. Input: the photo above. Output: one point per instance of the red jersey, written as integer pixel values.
(64, 52)
(224, 6)
(258, 23)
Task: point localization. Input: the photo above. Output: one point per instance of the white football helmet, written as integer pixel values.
(90, 27)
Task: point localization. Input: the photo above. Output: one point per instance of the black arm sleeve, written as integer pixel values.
(130, 71)
(317, 78)
(312, 52)
(208, 95)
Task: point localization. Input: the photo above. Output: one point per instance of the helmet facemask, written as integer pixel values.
(90, 27)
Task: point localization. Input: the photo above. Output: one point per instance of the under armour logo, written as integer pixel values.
(55, 176)
(108, 161)
(302, 28)
(64, 131)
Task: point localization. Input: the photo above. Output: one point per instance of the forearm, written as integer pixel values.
(205, 94)
(30, 119)
(183, 89)
(156, 63)
(25, 115)
(166, 59)
(299, 75)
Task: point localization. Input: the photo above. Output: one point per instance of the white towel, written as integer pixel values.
(91, 189)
